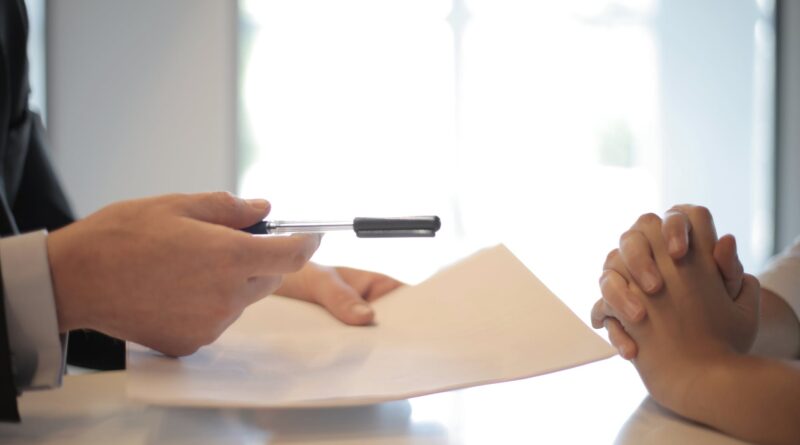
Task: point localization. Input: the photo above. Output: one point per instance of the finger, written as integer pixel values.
(223, 208)
(703, 235)
(257, 288)
(618, 297)
(370, 285)
(637, 255)
(343, 302)
(380, 287)
(650, 226)
(598, 314)
(275, 255)
(676, 228)
(614, 262)
(600, 311)
(621, 340)
(749, 298)
(730, 267)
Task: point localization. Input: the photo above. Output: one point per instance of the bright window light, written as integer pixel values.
(548, 126)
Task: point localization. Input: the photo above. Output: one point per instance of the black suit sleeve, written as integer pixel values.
(8, 393)
(41, 203)
(31, 197)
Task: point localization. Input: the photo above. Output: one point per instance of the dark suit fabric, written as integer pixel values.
(30, 195)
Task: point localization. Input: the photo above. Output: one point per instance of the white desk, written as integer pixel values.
(597, 403)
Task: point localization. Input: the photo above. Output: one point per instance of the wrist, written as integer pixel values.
(699, 385)
(674, 378)
(68, 312)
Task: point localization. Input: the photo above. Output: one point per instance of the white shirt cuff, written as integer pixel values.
(782, 276)
(37, 351)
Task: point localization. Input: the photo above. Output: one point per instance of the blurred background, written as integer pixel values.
(547, 126)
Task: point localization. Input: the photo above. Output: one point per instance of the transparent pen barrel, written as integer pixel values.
(307, 226)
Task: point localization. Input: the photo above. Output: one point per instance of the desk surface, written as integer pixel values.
(598, 403)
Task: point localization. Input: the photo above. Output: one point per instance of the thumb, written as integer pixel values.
(224, 209)
(728, 263)
(748, 304)
(749, 298)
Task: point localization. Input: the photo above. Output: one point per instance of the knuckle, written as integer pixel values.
(626, 237)
(225, 200)
(612, 300)
(648, 219)
(604, 276)
(701, 213)
(614, 262)
(631, 244)
(680, 208)
(611, 257)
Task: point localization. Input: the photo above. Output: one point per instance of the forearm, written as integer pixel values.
(779, 330)
(753, 398)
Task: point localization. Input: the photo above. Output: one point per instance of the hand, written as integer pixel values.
(344, 292)
(633, 263)
(170, 272)
(691, 322)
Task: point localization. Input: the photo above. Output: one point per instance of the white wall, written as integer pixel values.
(716, 113)
(788, 203)
(141, 97)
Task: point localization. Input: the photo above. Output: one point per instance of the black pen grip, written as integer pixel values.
(259, 228)
(417, 226)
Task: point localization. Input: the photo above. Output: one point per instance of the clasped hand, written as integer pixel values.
(675, 299)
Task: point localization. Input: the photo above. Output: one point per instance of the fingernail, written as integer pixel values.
(674, 246)
(258, 204)
(361, 310)
(649, 281)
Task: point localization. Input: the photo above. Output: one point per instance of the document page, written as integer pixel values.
(485, 319)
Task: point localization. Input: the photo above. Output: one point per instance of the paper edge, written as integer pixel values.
(363, 401)
(352, 401)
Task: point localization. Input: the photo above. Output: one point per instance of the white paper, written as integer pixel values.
(486, 319)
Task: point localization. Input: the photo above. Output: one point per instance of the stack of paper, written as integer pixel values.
(486, 319)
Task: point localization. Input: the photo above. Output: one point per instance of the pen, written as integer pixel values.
(414, 226)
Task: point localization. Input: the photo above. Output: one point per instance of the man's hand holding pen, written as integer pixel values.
(172, 273)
